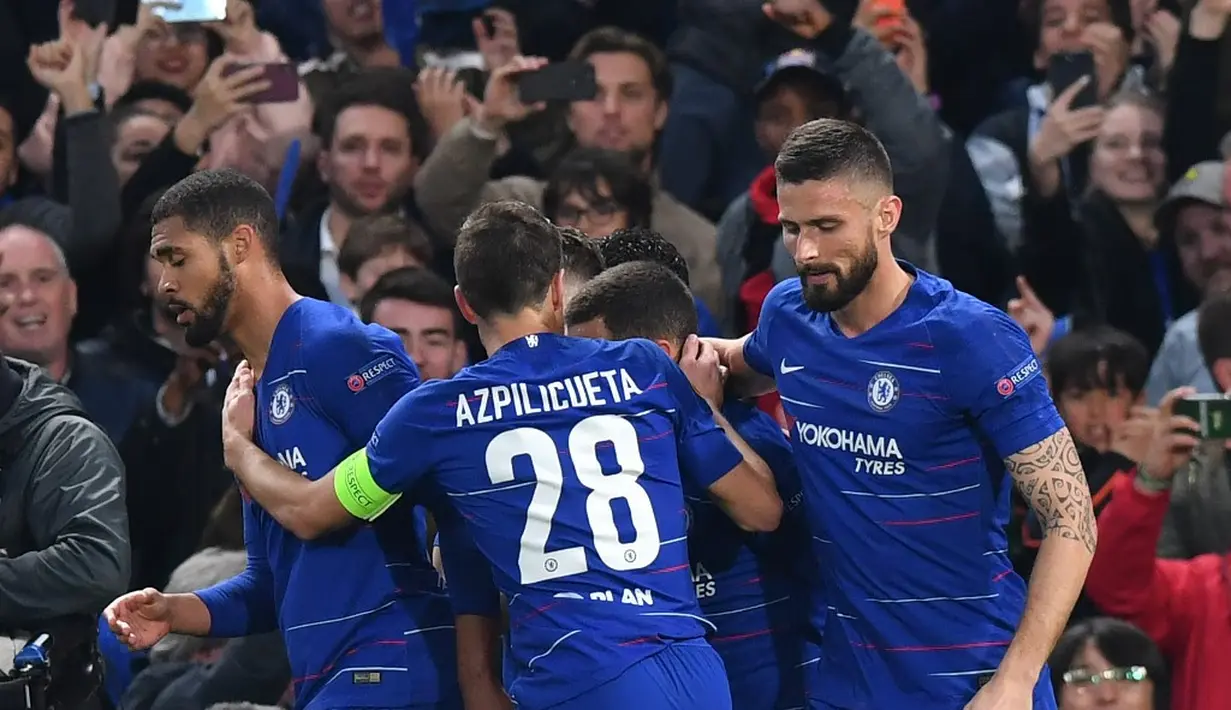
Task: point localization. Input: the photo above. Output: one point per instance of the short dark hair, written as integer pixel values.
(642, 244)
(506, 256)
(582, 169)
(149, 90)
(639, 299)
(119, 115)
(581, 257)
(215, 202)
(372, 235)
(828, 147)
(1122, 644)
(612, 40)
(1214, 328)
(1097, 358)
(386, 87)
(416, 285)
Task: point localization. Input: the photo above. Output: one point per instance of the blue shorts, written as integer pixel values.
(686, 675)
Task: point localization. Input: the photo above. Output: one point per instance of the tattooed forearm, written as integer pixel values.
(1050, 477)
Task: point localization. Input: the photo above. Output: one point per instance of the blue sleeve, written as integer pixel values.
(400, 451)
(705, 453)
(356, 376)
(468, 574)
(244, 604)
(756, 348)
(993, 376)
(706, 325)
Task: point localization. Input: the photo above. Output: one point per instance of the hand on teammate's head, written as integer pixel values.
(699, 361)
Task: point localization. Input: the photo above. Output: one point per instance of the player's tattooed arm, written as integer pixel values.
(1051, 479)
(307, 508)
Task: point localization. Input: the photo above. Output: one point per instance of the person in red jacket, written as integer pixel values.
(1183, 605)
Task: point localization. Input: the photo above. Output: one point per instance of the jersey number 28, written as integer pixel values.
(534, 561)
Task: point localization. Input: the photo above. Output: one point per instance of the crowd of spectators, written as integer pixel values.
(1104, 230)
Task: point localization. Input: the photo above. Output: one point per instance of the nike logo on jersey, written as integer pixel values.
(788, 369)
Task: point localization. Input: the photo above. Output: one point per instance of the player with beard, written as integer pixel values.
(910, 403)
(382, 638)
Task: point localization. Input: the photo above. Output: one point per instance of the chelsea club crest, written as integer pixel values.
(883, 391)
(282, 404)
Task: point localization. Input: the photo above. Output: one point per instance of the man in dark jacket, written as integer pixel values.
(63, 525)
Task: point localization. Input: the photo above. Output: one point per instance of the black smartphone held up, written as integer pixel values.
(1211, 411)
(283, 83)
(1065, 69)
(570, 80)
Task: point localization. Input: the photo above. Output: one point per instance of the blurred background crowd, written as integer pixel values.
(1100, 224)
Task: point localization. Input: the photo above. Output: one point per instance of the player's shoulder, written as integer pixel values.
(955, 319)
(785, 295)
(329, 333)
(638, 350)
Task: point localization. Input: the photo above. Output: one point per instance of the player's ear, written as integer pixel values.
(464, 306)
(667, 348)
(242, 243)
(555, 293)
(889, 212)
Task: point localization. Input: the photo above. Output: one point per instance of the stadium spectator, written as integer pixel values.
(1107, 663)
(376, 245)
(597, 191)
(626, 115)
(64, 531)
(372, 142)
(418, 305)
(34, 275)
(1194, 217)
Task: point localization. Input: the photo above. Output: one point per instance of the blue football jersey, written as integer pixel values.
(361, 611)
(754, 587)
(900, 435)
(564, 456)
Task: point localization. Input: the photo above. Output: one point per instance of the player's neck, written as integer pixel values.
(257, 318)
(499, 332)
(884, 294)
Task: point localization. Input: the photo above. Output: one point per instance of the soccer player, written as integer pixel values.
(364, 620)
(748, 586)
(642, 244)
(581, 260)
(910, 402)
(565, 456)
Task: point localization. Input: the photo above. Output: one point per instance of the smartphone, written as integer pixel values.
(1065, 69)
(283, 83)
(570, 80)
(1211, 411)
(189, 10)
